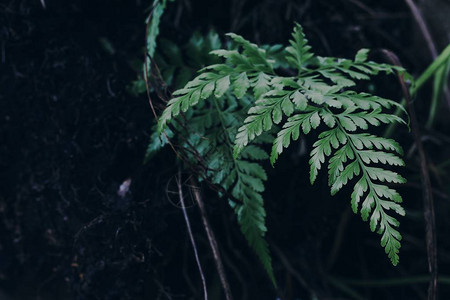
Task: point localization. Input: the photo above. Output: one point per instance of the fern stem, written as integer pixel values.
(423, 27)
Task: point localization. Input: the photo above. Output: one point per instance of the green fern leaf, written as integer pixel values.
(153, 27)
(251, 215)
(261, 84)
(361, 55)
(267, 111)
(241, 84)
(299, 51)
(256, 56)
(243, 177)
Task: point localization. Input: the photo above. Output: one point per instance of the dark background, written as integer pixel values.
(71, 134)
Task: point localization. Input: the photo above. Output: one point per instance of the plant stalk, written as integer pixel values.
(429, 216)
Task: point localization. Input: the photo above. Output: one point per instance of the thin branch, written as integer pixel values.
(428, 38)
(212, 240)
(423, 27)
(430, 223)
(300, 279)
(191, 237)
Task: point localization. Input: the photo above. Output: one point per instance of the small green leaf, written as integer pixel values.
(207, 90)
(328, 118)
(222, 86)
(315, 120)
(315, 96)
(361, 55)
(358, 191)
(299, 100)
(287, 106)
(241, 84)
(261, 84)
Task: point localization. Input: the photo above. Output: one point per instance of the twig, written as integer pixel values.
(423, 78)
(430, 223)
(423, 27)
(292, 270)
(191, 237)
(426, 34)
(212, 240)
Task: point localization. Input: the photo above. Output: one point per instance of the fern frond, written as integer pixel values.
(298, 53)
(255, 55)
(246, 182)
(153, 26)
(378, 197)
(352, 158)
(246, 99)
(251, 217)
(238, 73)
(202, 87)
(244, 177)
